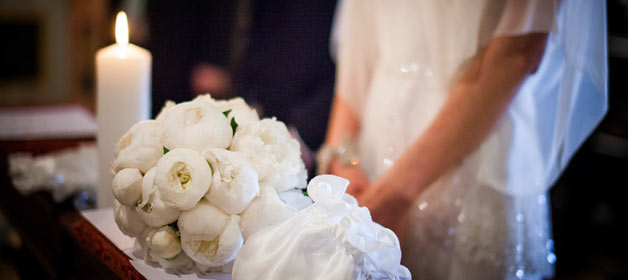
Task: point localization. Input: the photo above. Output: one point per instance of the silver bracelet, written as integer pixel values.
(346, 154)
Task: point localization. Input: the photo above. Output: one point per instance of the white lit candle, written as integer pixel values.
(123, 98)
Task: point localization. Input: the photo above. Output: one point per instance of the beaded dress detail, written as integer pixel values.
(487, 218)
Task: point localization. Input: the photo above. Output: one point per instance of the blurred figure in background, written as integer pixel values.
(279, 51)
(286, 70)
(191, 45)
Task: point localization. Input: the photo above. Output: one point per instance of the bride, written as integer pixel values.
(462, 114)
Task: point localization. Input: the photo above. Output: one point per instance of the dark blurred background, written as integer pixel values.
(275, 54)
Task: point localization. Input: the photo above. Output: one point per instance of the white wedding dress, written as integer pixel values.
(489, 217)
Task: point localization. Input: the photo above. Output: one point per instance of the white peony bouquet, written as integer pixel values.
(192, 185)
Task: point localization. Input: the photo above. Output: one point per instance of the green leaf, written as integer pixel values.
(210, 167)
(234, 125)
(171, 259)
(226, 113)
(174, 226)
(166, 150)
(148, 207)
(304, 192)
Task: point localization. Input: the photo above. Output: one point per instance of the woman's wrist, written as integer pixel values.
(408, 184)
(329, 155)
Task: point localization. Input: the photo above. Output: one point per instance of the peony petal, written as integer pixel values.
(148, 187)
(164, 243)
(139, 148)
(153, 211)
(209, 236)
(196, 125)
(127, 219)
(183, 177)
(274, 153)
(235, 181)
(127, 186)
(204, 220)
(242, 113)
(169, 104)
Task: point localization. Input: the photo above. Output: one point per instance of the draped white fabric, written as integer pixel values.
(559, 106)
(330, 239)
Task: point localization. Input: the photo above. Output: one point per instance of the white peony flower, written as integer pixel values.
(127, 186)
(209, 236)
(151, 209)
(127, 219)
(139, 148)
(236, 106)
(148, 187)
(180, 263)
(167, 106)
(242, 113)
(164, 243)
(264, 211)
(196, 125)
(207, 98)
(183, 177)
(274, 153)
(235, 181)
(144, 240)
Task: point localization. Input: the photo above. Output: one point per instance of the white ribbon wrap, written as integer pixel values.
(265, 210)
(332, 239)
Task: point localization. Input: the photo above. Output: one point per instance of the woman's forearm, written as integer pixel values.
(475, 104)
(343, 123)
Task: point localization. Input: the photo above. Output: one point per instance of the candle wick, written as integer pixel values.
(122, 51)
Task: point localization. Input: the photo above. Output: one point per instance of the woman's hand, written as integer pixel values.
(344, 124)
(357, 179)
(388, 204)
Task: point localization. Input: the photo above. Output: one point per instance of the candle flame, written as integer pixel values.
(122, 29)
